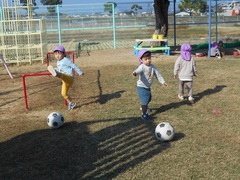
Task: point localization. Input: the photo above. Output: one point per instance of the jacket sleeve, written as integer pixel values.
(176, 66)
(159, 76)
(76, 68)
(194, 66)
(139, 70)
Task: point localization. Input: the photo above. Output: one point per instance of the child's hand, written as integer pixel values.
(175, 76)
(82, 74)
(134, 74)
(165, 84)
(195, 74)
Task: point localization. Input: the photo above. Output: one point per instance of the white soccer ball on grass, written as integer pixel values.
(55, 120)
(164, 131)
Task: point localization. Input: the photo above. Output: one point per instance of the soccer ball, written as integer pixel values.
(55, 120)
(164, 131)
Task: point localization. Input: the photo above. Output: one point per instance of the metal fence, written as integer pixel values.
(89, 27)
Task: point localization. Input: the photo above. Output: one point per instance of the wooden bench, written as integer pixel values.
(164, 48)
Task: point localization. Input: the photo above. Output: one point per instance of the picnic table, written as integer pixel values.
(150, 47)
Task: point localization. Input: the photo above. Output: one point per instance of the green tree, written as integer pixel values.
(190, 6)
(24, 3)
(108, 7)
(136, 7)
(51, 9)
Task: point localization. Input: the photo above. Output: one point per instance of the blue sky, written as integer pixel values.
(69, 2)
(104, 1)
(95, 1)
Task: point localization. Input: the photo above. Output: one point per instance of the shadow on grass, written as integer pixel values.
(103, 98)
(197, 98)
(207, 92)
(73, 152)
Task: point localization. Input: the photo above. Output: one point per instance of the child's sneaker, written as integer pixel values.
(145, 117)
(180, 97)
(71, 105)
(52, 70)
(191, 99)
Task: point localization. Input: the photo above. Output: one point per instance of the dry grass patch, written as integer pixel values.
(104, 137)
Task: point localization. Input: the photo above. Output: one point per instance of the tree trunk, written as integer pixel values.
(161, 16)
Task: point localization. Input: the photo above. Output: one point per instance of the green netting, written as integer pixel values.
(225, 45)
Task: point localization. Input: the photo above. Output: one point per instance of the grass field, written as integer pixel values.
(104, 136)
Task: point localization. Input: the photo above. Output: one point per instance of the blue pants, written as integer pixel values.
(144, 95)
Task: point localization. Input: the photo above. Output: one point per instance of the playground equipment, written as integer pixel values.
(68, 53)
(3, 61)
(22, 38)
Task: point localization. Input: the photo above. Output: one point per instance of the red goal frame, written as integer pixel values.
(70, 53)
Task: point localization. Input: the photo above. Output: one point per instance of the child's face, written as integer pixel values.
(220, 44)
(146, 60)
(58, 55)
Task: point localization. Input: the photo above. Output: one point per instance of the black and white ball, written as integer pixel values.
(164, 131)
(55, 120)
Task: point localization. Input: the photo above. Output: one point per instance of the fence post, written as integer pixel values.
(114, 26)
(24, 91)
(209, 28)
(59, 25)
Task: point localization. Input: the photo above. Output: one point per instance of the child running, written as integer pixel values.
(146, 72)
(185, 68)
(64, 71)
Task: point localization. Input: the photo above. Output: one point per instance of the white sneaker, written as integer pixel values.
(180, 97)
(71, 105)
(191, 99)
(52, 70)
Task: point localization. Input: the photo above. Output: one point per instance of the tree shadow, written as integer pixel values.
(103, 98)
(74, 152)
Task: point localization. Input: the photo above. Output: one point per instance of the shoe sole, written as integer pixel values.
(52, 71)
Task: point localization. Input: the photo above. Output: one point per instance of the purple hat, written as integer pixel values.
(214, 45)
(140, 54)
(59, 48)
(186, 52)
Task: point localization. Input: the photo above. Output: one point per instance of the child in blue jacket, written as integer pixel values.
(64, 71)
